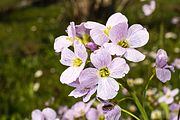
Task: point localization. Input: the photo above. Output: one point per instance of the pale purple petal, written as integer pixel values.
(100, 58)
(37, 115)
(163, 74)
(81, 30)
(118, 68)
(69, 115)
(89, 94)
(114, 49)
(118, 32)
(148, 9)
(61, 43)
(79, 109)
(137, 36)
(174, 92)
(169, 100)
(49, 114)
(113, 114)
(92, 114)
(116, 19)
(67, 57)
(71, 74)
(80, 50)
(71, 31)
(88, 77)
(92, 25)
(161, 58)
(92, 46)
(78, 92)
(107, 88)
(134, 55)
(162, 99)
(98, 36)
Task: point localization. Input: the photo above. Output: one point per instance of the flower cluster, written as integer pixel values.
(96, 55)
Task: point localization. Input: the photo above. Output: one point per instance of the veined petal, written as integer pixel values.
(137, 36)
(134, 55)
(78, 93)
(116, 19)
(80, 50)
(92, 114)
(107, 88)
(98, 36)
(118, 68)
(71, 74)
(92, 25)
(118, 32)
(88, 77)
(61, 43)
(71, 31)
(89, 94)
(67, 57)
(163, 74)
(161, 58)
(114, 49)
(49, 114)
(100, 58)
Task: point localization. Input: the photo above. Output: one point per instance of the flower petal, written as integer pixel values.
(67, 57)
(71, 74)
(163, 74)
(89, 94)
(92, 25)
(118, 68)
(78, 92)
(92, 114)
(98, 36)
(137, 36)
(161, 58)
(88, 77)
(37, 115)
(71, 31)
(49, 114)
(61, 43)
(118, 32)
(134, 55)
(100, 58)
(114, 49)
(80, 50)
(116, 19)
(107, 88)
(174, 92)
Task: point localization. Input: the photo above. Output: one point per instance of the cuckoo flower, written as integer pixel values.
(148, 9)
(99, 33)
(124, 41)
(83, 91)
(174, 108)
(106, 111)
(75, 60)
(168, 98)
(104, 73)
(162, 68)
(45, 114)
(65, 41)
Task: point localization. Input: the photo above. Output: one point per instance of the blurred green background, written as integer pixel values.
(29, 67)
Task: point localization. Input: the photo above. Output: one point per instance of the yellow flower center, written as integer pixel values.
(104, 72)
(101, 117)
(107, 30)
(123, 43)
(77, 62)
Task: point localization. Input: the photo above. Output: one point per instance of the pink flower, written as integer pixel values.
(75, 60)
(104, 73)
(124, 41)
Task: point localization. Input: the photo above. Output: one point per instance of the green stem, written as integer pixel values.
(140, 107)
(147, 85)
(126, 98)
(123, 110)
(136, 100)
